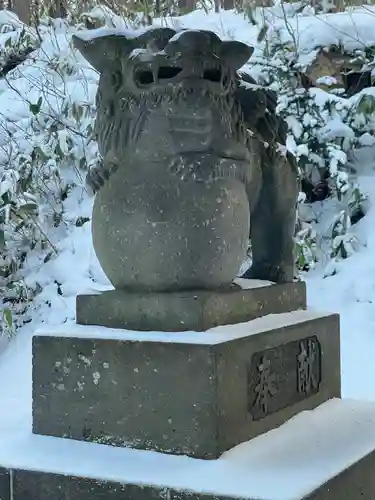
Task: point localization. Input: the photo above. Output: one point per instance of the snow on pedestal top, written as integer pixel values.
(212, 336)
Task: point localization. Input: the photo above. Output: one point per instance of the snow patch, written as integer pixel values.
(209, 337)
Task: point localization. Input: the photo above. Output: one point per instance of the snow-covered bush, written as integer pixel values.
(17, 41)
(324, 127)
(46, 147)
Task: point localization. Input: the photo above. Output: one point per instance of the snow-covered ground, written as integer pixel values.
(350, 291)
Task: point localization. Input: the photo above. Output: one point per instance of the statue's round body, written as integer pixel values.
(158, 234)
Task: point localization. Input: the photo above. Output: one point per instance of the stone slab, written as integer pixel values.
(357, 482)
(28, 485)
(325, 454)
(195, 310)
(196, 395)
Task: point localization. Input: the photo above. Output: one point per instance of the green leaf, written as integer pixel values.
(19, 226)
(83, 163)
(6, 199)
(81, 221)
(8, 318)
(35, 108)
(29, 208)
(48, 257)
(262, 33)
(38, 153)
(366, 105)
(77, 111)
(2, 239)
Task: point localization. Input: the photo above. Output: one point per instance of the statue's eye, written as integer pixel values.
(146, 76)
(213, 75)
(116, 80)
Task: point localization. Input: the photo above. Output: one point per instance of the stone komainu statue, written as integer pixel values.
(190, 163)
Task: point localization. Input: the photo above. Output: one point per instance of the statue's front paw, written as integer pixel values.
(96, 178)
(274, 273)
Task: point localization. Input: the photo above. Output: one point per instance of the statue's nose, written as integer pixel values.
(197, 52)
(193, 44)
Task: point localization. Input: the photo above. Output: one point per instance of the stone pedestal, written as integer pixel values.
(194, 310)
(197, 394)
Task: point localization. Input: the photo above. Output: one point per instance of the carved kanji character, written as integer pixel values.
(306, 376)
(267, 388)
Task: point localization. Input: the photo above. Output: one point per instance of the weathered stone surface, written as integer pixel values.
(29, 485)
(182, 181)
(357, 482)
(5, 486)
(184, 311)
(197, 397)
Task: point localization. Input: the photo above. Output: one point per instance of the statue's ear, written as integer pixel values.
(103, 52)
(235, 54)
(104, 49)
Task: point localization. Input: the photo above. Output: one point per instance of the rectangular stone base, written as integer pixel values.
(195, 310)
(325, 454)
(196, 394)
